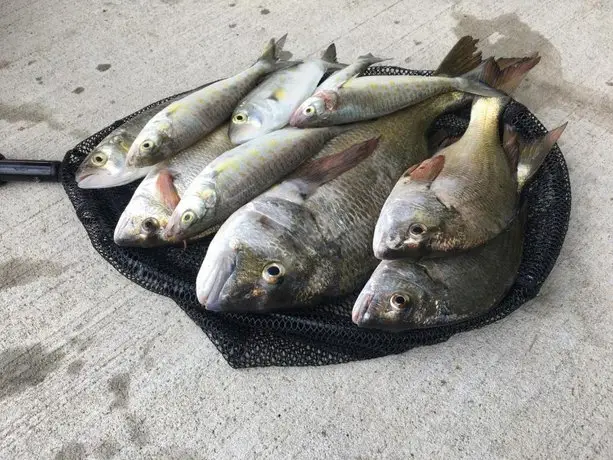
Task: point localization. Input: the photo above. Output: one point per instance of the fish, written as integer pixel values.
(268, 107)
(105, 166)
(144, 219)
(463, 196)
(404, 294)
(369, 97)
(241, 174)
(297, 244)
(189, 119)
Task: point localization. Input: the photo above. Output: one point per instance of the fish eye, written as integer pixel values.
(309, 111)
(399, 300)
(239, 118)
(147, 145)
(273, 272)
(417, 230)
(150, 225)
(188, 217)
(99, 159)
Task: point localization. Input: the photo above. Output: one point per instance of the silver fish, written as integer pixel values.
(187, 120)
(406, 294)
(241, 174)
(105, 166)
(298, 243)
(269, 106)
(143, 221)
(369, 97)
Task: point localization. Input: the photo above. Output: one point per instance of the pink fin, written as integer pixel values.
(429, 169)
(166, 188)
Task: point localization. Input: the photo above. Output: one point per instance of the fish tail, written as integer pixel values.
(275, 57)
(462, 58)
(329, 58)
(532, 154)
(505, 74)
(474, 82)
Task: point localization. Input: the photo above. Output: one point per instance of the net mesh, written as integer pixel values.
(323, 335)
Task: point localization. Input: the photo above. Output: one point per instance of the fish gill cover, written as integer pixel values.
(325, 334)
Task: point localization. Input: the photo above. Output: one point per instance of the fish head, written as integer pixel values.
(194, 214)
(411, 223)
(400, 295)
(262, 261)
(151, 146)
(315, 110)
(249, 121)
(142, 223)
(105, 165)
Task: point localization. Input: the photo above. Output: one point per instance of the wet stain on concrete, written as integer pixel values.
(4, 63)
(29, 111)
(609, 83)
(232, 26)
(513, 37)
(78, 90)
(74, 368)
(79, 133)
(103, 67)
(39, 80)
(25, 367)
(417, 43)
(81, 343)
(108, 449)
(264, 11)
(18, 271)
(71, 451)
(31, 61)
(119, 385)
(138, 432)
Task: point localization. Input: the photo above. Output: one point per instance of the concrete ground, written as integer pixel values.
(93, 366)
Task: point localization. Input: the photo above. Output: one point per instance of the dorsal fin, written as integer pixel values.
(166, 188)
(462, 58)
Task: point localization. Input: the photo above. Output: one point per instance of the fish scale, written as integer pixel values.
(471, 164)
(355, 198)
(320, 237)
(260, 163)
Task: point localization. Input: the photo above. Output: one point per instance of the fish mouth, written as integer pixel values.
(173, 232)
(107, 180)
(360, 314)
(211, 280)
